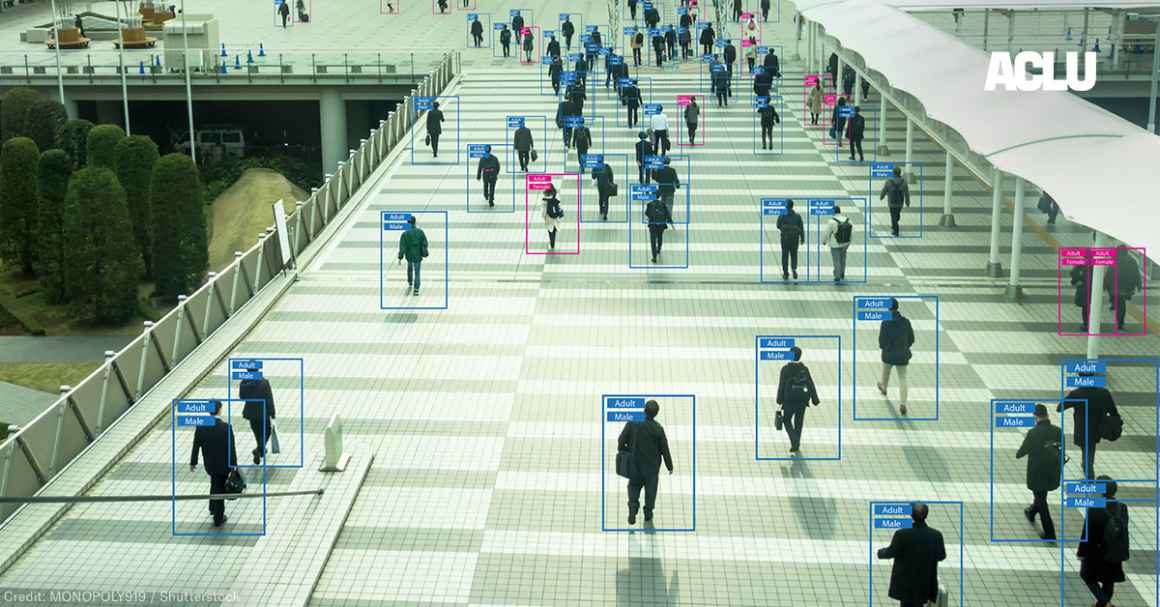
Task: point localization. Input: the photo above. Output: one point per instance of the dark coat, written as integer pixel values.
(217, 447)
(1042, 449)
(568, 28)
(413, 245)
(488, 167)
(517, 23)
(523, 139)
(554, 71)
(916, 553)
(1100, 404)
(1079, 279)
(554, 48)
(257, 389)
(789, 401)
(857, 129)
(582, 137)
(895, 190)
(1126, 276)
(791, 228)
(721, 82)
(435, 122)
(647, 442)
(730, 53)
(895, 337)
(604, 179)
(1094, 567)
(564, 109)
(476, 28)
(769, 116)
(772, 65)
(762, 83)
(667, 180)
(643, 148)
(505, 37)
(632, 96)
(707, 36)
(658, 215)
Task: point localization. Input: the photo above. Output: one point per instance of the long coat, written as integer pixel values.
(916, 553)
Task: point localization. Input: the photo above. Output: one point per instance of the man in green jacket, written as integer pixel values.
(413, 246)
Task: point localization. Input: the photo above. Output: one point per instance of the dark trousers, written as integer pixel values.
(722, 97)
(632, 11)
(552, 238)
(813, 118)
(489, 188)
(792, 419)
(567, 136)
(1121, 307)
(507, 49)
(692, 131)
(1039, 507)
(633, 115)
(580, 152)
(684, 51)
(413, 271)
(556, 86)
(661, 141)
(568, 42)
(643, 172)
(478, 39)
(750, 60)
(766, 135)
(729, 68)
(857, 144)
(764, 13)
(257, 426)
(656, 237)
(648, 482)
(1102, 591)
(636, 57)
(435, 144)
(706, 48)
(608, 78)
(525, 157)
(603, 203)
(789, 252)
(895, 215)
(217, 486)
(1052, 213)
(1089, 458)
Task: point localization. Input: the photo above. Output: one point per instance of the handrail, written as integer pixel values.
(32, 456)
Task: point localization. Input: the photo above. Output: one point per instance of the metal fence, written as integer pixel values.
(31, 457)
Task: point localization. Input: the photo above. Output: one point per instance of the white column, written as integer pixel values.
(838, 75)
(883, 148)
(1117, 43)
(911, 174)
(994, 268)
(948, 217)
(1096, 304)
(332, 114)
(1083, 36)
(857, 88)
(1014, 291)
(1011, 31)
(986, 26)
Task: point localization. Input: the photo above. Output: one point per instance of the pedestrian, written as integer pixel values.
(565, 110)
(505, 40)
(283, 12)
(477, 32)
(442, 6)
(832, 67)
(524, 143)
(692, 115)
(722, 85)
(1121, 284)
(957, 14)
(434, 127)
(856, 131)
(708, 36)
(1047, 205)
(518, 26)
(839, 234)
(749, 48)
(1105, 546)
(648, 445)
(554, 72)
(659, 124)
(569, 30)
(303, 16)
(1042, 446)
(916, 552)
(413, 248)
(815, 102)
(792, 233)
(771, 63)
(632, 9)
(769, 118)
(488, 172)
(632, 102)
(737, 9)
(219, 450)
(605, 186)
(659, 219)
(581, 140)
(730, 54)
(865, 89)
(1080, 278)
(577, 95)
(609, 69)
(684, 38)
(551, 212)
(637, 44)
(658, 44)
(581, 69)
(667, 184)
(838, 122)
(652, 16)
(529, 47)
(644, 149)
(895, 337)
(848, 77)
(260, 411)
(1094, 418)
(895, 191)
(795, 392)
(764, 10)
(670, 42)
(553, 48)
(762, 83)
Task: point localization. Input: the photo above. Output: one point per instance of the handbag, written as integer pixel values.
(614, 191)
(778, 420)
(275, 444)
(535, 156)
(235, 482)
(624, 464)
(427, 140)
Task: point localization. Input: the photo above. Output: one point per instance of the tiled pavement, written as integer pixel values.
(485, 418)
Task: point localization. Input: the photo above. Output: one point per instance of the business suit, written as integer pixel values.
(523, 144)
(255, 392)
(916, 553)
(1041, 447)
(647, 442)
(792, 234)
(220, 452)
(1100, 404)
(794, 403)
(488, 171)
(1098, 573)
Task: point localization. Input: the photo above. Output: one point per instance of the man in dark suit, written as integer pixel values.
(217, 446)
(1086, 430)
(1041, 446)
(256, 392)
(488, 171)
(648, 445)
(795, 392)
(1103, 553)
(916, 553)
(856, 132)
(792, 234)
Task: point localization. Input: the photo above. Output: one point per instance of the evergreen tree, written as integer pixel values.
(103, 139)
(101, 259)
(180, 247)
(74, 140)
(135, 156)
(14, 107)
(55, 169)
(46, 117)
(19, 199)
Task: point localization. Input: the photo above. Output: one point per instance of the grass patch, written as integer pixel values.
(46, 377)
(23, 301)
(244, 210)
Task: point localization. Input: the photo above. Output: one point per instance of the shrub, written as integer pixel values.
(46, 117)
(73, 138)
(180, 244)
(135, 156)
(19, 199)
(103, 139)
(55, 169)
(14, 107)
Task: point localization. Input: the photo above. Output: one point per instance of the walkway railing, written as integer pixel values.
(31, 457)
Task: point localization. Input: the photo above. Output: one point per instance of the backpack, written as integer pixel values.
(844, 231)
(799, 385)
(1115, 540)
(1111, 427)
(554, 210)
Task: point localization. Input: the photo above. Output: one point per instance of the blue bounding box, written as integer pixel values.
(277, 366)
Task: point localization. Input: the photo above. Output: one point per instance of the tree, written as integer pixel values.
(180, 253)
(13, 119)
(46, 117)
(103, 139)
(19, 162)
(55, 169)
(74, 140)
(135, 157)
(101, 259)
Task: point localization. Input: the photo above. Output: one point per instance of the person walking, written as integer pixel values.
(658, 44)
(660, 218)
(1080, 278)
(730, 54)
(434, 127)
(856, 131)
(684, 38)
(442, 6)
(220, 453)
(1047, 205)
(524, 144)
(708, 36)
(832, 67)
(772, 63)
(551, 212)
(1106, 548)
(636, 45)
(1122, 284)
(477, 32)
(839, 233)
(916, 552)
(762, 83)
(568, 29)
(632, 9)
(795, 392)
(749, 49)
(1092, 422)
(648, 445)
(505, 40)
(737, 10)
(652, 16)
(529, 47)
(792, 234)
(895, 337)
(815, 102)
(644, 149)
(769, 118)
(667, 184)
(284, 12)
(488, 172)
(605, 187)
(413, 248)
(632, 103)
(659, 123)
(581, 140)
(895, 190)
(260, 411)
(692, 116)
(518, 26)
(581, 68)
(838, 122)
(765, 10)
(565, 110)
(553, 48)
(1042, 446)
(670, 42)
(555, 70)
(722, 85)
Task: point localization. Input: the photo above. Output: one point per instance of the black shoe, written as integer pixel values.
(654, 258)
(257, 458)
(1030, 514)
(648, 518)
(1047, 537)
(415, 292)
(218, 522)
(631, 518)
(795, 275)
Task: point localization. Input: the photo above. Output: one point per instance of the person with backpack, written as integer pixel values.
(793, 233)
(413, 248)
(505, 40)
(692, 115)
(838, 122)
(916, 552)
(1121, 284)
(488, 171)
(839, 233)
(524, 143)
(1098, 420)
(856, 132)
(1107, 546)
(769, 118)
(637, 44)
(795, 392)
(660, 218)
(434, 128)
(648, 445)
(477, 32)
(895, 190)
(605, 187)
(568, 29)
(1047, 205)
(895, 337)
(644, 149)
(1042, 446)
(708, 36)
(551, 212)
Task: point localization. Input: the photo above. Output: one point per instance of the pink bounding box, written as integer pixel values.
(1080, 263)
(534, 184)
(702, 125)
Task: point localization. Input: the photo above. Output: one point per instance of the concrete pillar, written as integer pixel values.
(1096, 305)
(994, 268)
(1014, 291)
(1118, 34)
(797, 40)
(857, 88)
(911, 174)
(986, 26)
(948, 217)
(810, 47)
(1083, 36)
(332, 115)
(1010, 31)
(838, 76)
(883, 148)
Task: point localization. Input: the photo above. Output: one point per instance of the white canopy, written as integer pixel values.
(1100, 168)
(1018, 4)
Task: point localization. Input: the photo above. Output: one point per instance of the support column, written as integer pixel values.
(1014, 291)
(1116, 42)
(810, 47)
(994, 268)
(986, 26)
(1096, 304)
(1083, 35)
(857, 88)
(332, 115)
(883, 148)
(910, 173)
(70, 107)
(838, 76)
(797, 40)
(1010, 31)
(948, 217)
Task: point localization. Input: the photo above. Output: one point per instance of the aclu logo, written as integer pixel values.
(1013, 74)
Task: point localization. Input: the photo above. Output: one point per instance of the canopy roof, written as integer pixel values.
(1018, 4)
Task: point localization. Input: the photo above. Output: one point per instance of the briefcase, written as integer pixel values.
(535, 156)
(941, 601)
(624, 464)
(778, 420)
(615, 191)
(235, 482)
